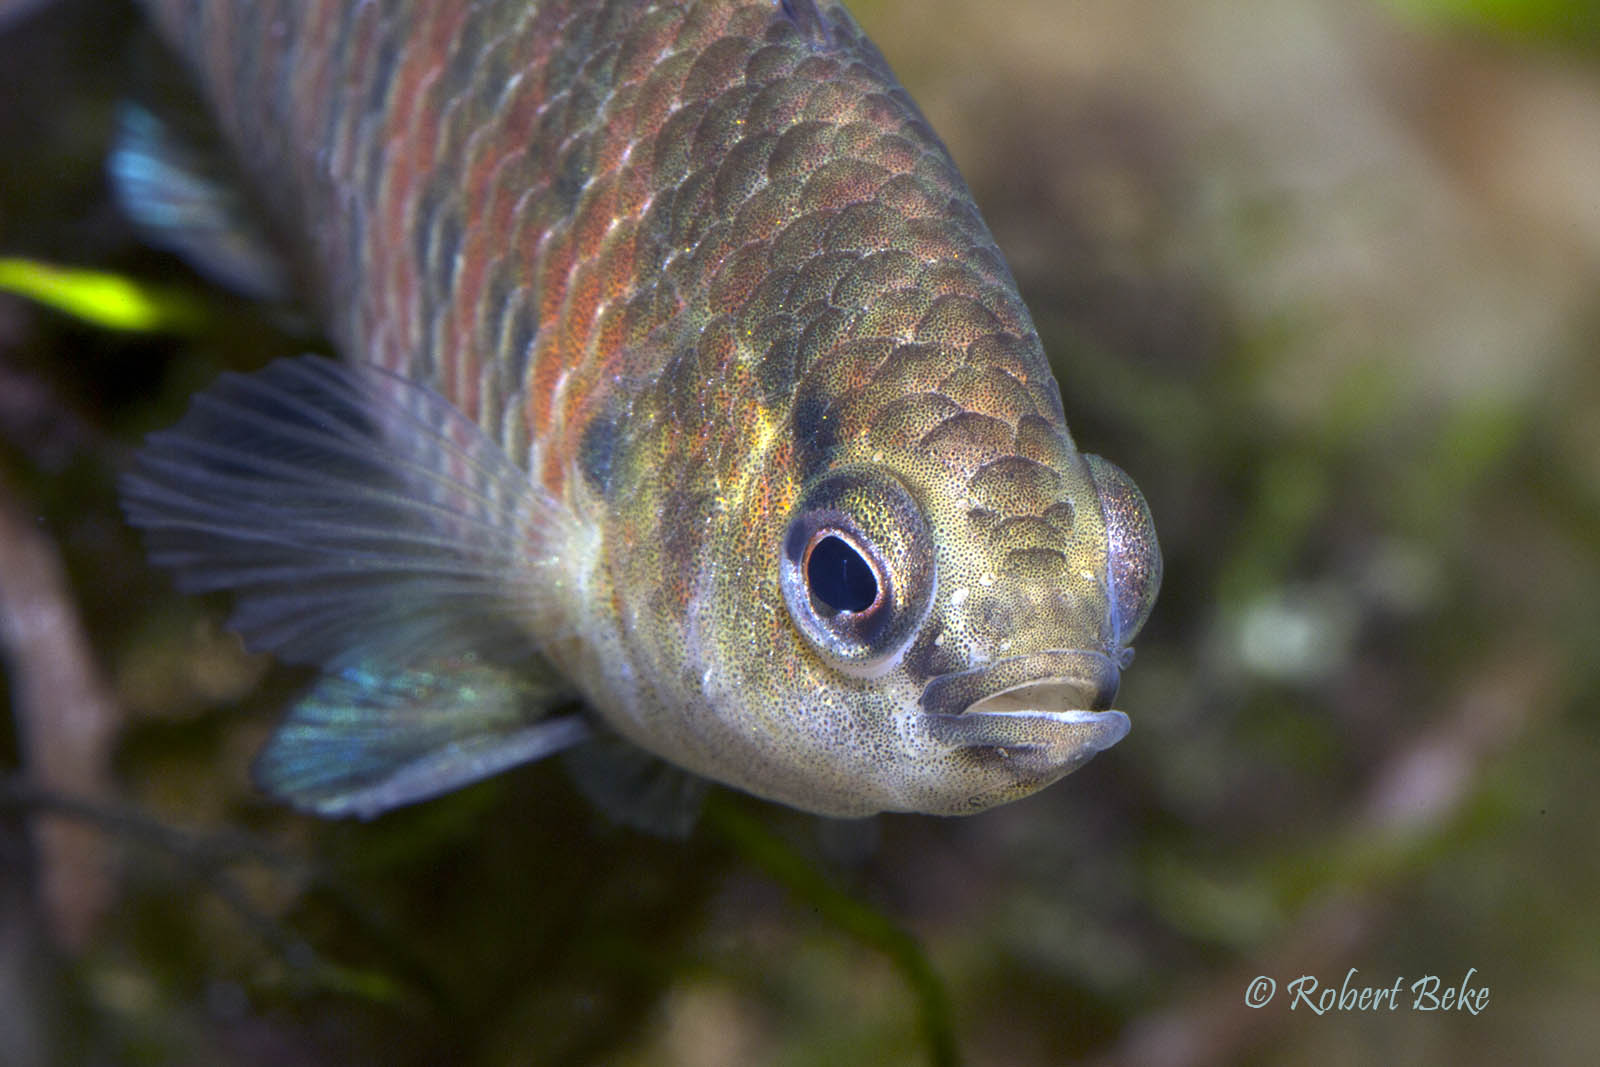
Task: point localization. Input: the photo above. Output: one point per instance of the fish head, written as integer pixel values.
(966, 610)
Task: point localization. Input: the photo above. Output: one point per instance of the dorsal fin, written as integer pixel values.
(179, 186)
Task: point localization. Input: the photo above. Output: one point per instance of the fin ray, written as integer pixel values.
(364, 741)
(355, 513)
(635, 788)
(184, 194)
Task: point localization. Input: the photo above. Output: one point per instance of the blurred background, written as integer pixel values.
(1320, 275)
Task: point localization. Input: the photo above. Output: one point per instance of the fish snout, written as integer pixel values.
(1047, 713)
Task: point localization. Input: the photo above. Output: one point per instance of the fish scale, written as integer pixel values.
(652, 161)
(690, 265)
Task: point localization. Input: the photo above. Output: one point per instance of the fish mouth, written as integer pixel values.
(1054, 708)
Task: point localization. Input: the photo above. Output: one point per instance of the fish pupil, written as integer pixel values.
(839, 577)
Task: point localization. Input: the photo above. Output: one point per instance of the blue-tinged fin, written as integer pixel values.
(365, 741)
(367, 526)
(635, 788)
(182, 190)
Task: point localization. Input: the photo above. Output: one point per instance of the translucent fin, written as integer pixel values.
(182, 190)
(807, 16)
(359, 517)
(636, 789)
(363, 742)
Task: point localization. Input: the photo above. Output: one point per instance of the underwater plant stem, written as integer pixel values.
(66, 715)
(861, 921)
(206, 855)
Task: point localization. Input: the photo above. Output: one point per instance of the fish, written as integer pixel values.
(687, 423)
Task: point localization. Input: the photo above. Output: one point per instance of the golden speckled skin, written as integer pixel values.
(685, 262)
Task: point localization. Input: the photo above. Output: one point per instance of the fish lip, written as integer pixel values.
(1046, 683)
(1055, 704)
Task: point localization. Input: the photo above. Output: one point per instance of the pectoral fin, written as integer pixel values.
(369, 527)
(635, 788)
(359, 517)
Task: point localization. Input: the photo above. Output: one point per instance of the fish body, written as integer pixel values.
(683, 381)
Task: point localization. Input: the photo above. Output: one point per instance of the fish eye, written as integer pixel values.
(1133, 556)
(856, 568)
(841, 577)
